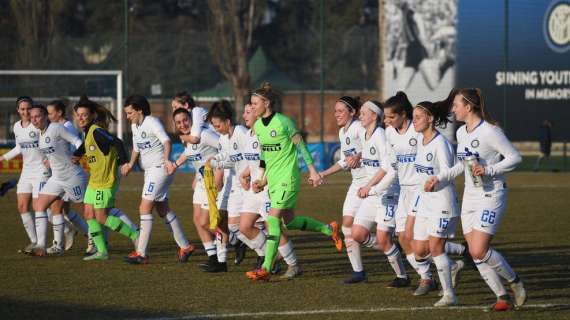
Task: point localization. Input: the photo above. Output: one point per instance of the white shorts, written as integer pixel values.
(235, 202)
(156, 184)
(352, 202)
(483, 213)
(31, 184)
(367, 212)
(72, 189)
(200, 197)
(386, 217)
(405, 206)
(256, 202)
(437, 227)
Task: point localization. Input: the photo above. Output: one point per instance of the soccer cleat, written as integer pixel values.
(259, 275)
(399, 283)
(38, 252)
(446, 301)
(425, 286)
(519, 291)
(54, 250)
(97, 256)
(70, 238)
(456, 271)
(335, 236)
(356, 277)
(214, 266)
(293, 271)
(503, 303)
(240, 252)
(6, 186)
(136, 258)
(185, 253)
(27, 249)
(91, 248)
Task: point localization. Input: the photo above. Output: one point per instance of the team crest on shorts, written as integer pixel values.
(273, 133)
(47, 140)
(255, 145)
(429, 157)
(143, 134)
(92, 147)
(347, 140)
(413, 142)
(235, 146)
(475, 143)
(32, 134)
(372, 150)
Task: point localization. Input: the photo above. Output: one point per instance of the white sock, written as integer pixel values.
(444, 273)
(30, 226)
(288, 253)
(58, 230)
(412, 261)
(210, 248)
(41, 228)
(395, 260)
(49, 216)
(234, 233)
(144, 235)
(352, 250)
(121, 215)
(259, 244)
(491, 278)
(454, 248)
(496, 261)
(245, 240)
(221, 249)
(78, 221)
(423, 267)
(370, 242)
(174, 225)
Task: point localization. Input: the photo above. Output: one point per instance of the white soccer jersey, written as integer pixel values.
(27, 144)
(375, 157)
(230, 156)
(54, 144)
(493, 150)
(207, 148)
(404, 147)
(431, 159)
(251, 153)
(148, 140)
(199, 121)
(350, 145)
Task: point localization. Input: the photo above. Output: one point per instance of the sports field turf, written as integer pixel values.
(534, 237)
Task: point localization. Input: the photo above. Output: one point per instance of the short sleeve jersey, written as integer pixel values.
(375, 156)
(27, 140)
(404, 147)
(54, 144)
(148, 139)
(279, 152)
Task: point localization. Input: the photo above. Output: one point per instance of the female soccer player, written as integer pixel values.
(151, 142)
(68, 180)
(436, 212)
(199, 122)
(485, 195)
(104, 153)
(350, 135)
(279, 143)
(34, 173)
(197, 155)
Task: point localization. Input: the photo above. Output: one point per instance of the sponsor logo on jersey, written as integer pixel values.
(48, 150)
(347, 140)
(423, 169)
(475, 143)
(32, 134)
(29, 145)
(349, 152)
(273, 133)
(271, 147)
(195, 157)
(406, 158)
(429, 157)
(92, 148)
(413, 142)
(372, 150)
(371, 163)
(236, 157)
(251, 156)
(91, 159)
(144, 145)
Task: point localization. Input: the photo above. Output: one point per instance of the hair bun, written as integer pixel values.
(266, 86)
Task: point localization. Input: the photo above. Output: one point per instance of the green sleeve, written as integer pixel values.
(289, 126)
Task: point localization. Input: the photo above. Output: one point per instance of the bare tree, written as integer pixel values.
(233, 24)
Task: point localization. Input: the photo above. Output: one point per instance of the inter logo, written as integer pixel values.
(372, 150)
(273, 133)
(194, 147)
(475, 143)
(413, 142)
(92, 148)
(429, 157)
(556, 26)
(47, 139)
(235, 146)
(32, 134)
(347, 140)
(143, 135)
(255, 145)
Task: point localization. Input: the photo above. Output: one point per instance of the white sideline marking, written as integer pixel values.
(329, 311)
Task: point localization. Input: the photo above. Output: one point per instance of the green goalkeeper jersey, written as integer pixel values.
(279, 152)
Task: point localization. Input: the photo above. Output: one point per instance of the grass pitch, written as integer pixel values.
(534, 237)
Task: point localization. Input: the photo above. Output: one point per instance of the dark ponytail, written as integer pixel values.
(103, 116)
(400, 104)
(439, 110)
(222, 110)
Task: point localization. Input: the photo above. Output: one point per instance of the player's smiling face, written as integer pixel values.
(38, 118)
(422, 121)
(84, 117)
(393, 119)
(460, 108)
(260, 106)
(134, 116)
(342, 115)
(221, 126)
(249, 115)
(24, 110)
(367, 117)
(182, 122)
